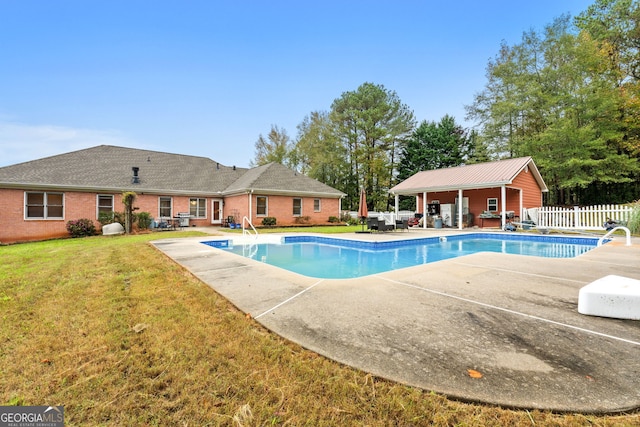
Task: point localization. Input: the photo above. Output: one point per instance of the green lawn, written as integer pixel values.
(325, 229)
(120, 335)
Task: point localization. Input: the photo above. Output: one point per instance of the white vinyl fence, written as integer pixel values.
(581, 218)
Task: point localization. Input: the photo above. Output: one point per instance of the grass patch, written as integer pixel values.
(120, 335)
(324, 229)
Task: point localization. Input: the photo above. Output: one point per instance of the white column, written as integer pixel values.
(521, 206)
(424, 209)
(397, 205)
(503, 203)
(460, 209)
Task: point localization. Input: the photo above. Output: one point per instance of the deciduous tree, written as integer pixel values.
(276, 148)
(556, 97)
(318, 153)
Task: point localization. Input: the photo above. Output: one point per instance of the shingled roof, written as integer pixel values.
(109, 168)
(479, 175)
(274, 178)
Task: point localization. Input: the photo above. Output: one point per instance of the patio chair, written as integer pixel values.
(372, 224)
(383, 226)
(402, 224)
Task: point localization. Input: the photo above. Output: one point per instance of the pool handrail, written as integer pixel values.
(245, 230)
(619, 227)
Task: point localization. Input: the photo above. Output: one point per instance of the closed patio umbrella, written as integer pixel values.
(363, 212)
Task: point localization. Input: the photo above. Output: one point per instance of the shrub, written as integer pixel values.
(119, 218)
(269, 221)
(346, 217)
(634, 220)
(144, 220)
(81, 227)
(303, 220)
(105, 218)
(333, 219)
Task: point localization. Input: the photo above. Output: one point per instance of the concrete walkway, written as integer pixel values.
(511, 318)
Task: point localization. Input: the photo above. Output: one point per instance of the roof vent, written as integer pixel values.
(135, 179)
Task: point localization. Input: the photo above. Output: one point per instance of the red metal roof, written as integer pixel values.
(479, 175)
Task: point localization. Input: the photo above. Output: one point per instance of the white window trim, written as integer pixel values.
(266, 206)
(293, 206)
(160, 206)
(319, 205)
(489, 204)
(198, 199)
(113, 208)
(45, 206)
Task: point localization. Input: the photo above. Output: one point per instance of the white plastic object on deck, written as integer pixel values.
(611, 296)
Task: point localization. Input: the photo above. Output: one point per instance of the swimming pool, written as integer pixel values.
(336, 258)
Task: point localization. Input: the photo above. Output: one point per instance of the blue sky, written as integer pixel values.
(208, 77)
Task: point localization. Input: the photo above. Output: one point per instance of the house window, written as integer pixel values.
(316, 205)
(198, 208)
(261, 206)
(104, 205)
(165, 207)
(297, 207)
(43, 205)
(492, 204)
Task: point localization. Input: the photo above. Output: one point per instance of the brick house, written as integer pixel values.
(492, 192)
(38, 197)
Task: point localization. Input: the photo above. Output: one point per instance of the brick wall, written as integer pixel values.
(151, 203)
(281, 208)
(15, 228)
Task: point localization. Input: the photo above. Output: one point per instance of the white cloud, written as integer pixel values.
(20, 142)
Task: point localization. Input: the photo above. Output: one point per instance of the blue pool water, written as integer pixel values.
(331, 258)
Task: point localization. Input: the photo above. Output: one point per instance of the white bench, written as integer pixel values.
(611, 296)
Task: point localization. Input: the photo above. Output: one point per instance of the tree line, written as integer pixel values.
(567, 96)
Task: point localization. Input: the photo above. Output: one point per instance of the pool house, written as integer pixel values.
(483, 194)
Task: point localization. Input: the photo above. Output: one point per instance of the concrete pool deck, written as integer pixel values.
(511, 318)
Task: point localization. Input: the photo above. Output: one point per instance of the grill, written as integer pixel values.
(183, 218)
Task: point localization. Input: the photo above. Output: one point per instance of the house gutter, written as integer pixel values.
(452, 188)
(139, 190)
(269, 192)
(416, 190)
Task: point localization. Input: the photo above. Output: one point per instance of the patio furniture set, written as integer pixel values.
(375, 224)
